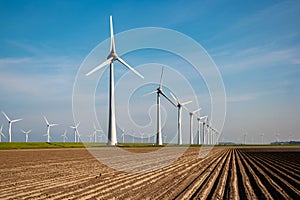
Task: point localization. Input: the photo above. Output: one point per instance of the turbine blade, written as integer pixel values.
(196, 110)
(186, 108)
(187, 102)
(106, 62)
(161, 76)
(23, 131)
(53, 124)
(129, 67)
(16, 120)
(155, 91)
(77, 125)
(29, 131)
(112, 39)
(6, 116)
(46, 120)
(174, 97)
(168, 99)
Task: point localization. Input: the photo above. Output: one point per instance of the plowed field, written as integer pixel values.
(225, 173)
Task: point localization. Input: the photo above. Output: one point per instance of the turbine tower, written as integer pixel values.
(10, 122)
(26, 134)
(112, 56)
(159, 91)
(179, 106)
(75, 128)
(192, 113)
(48, 128)
(1, 133)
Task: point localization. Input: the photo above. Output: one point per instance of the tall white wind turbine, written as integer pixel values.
(1, 133)
(10, 122)
(159, 91)
(76, 133)
(179, 106)
(112, 56)
(48, 128)
(192, 113)
(26, 134)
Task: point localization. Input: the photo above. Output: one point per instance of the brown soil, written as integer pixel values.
(225, 173)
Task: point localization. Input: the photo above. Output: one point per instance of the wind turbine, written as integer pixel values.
(199, 128)
(277, 138)
(204, 132)
(75, 128)
(165, 138)
(262, 138)
(179, 106)
(48, 128)
(1, 133)
(26, 134)
(142, 137)
(64, 136)
(95, 133)
(245, 135)
(192, 113)
(123, 135)
(159, 91)
(112, 56)
(10, 124)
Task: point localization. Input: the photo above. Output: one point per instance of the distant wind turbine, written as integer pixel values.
(205, 138)
(192, 113)
(95, 133)
(199, 128)
(26, 134)
(1, 133)
(112, 56)
(64, 136)
(277, 137)
(179, 106)
(10, 122)
(262, 138)
(76, 134)
(48, 128)
(159, 91)
(123, 135)
(245, 135)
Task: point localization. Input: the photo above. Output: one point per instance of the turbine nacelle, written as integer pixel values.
(113, 55)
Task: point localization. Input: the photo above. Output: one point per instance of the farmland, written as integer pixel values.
(225, 173)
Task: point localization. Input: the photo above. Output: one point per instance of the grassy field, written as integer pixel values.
(42, 145)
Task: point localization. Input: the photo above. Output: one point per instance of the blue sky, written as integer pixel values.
(254, 44)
